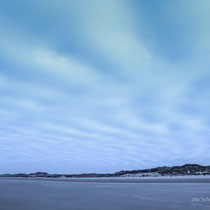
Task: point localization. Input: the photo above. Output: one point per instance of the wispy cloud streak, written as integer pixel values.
(103, 86)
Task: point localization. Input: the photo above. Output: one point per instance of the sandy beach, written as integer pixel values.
(104, 194)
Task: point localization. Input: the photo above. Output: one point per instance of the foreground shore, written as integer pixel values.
(104, 194)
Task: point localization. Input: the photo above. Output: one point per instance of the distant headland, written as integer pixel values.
(164, 171)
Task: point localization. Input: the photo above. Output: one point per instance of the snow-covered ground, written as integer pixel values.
(199, 174)
(158, 176)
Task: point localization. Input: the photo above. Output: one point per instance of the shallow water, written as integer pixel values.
(89, 194)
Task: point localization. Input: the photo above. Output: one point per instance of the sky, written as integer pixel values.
(103, 86)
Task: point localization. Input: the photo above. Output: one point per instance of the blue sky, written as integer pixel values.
(103, 86)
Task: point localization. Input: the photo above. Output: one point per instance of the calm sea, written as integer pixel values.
(89, 194)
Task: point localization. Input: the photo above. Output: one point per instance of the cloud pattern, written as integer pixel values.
(102, 86)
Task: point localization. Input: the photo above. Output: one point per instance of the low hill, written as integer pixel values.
(184, 170)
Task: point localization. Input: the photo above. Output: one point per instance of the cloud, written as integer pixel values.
(95, 86)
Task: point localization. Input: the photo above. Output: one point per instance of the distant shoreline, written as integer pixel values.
(187, 170)
(116, 180)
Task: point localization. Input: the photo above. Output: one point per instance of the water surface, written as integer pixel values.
(102, 194)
